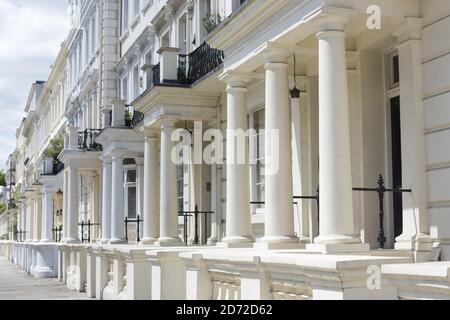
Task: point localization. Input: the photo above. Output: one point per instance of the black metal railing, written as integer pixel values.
(86, 140)
(138, 221)
(197, 64)
(157, 74)
(381, 190)
(57, 233)
(57, 167)
(132, 117)
(195, 213)
(86, 230)
(20, 235)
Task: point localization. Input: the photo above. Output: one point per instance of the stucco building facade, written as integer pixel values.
(353, 187)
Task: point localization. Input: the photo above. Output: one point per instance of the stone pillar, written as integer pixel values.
(95, 205)
(65, 202)
(106, 201)
(117, 212)
(151, 201)
(335, 176)
(38, 213)
(140, 191)
(169, 208)
(279, 212)
(416, 225)
(73, 206)
(47, 210)
(238, 218)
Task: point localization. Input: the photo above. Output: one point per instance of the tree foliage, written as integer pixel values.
(55, 147)
(2, 178)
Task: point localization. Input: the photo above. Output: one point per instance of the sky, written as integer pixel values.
(31, 32)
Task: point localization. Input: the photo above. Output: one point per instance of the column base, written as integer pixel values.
(168, 242)
(104, 241)
(148, 241)
(236, 242)
(212, 241)
(330, 248)
(71, 241)
(118, 241)
(46, 241)
(42, 272)
(278, 245)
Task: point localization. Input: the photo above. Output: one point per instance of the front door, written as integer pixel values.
(396, 165)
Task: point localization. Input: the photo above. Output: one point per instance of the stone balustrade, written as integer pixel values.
(132, 272)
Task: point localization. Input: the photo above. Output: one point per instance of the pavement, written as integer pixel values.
(16, 285)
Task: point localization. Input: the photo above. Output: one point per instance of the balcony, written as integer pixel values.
(190, 69)
(52, 167)
(123, 115)
(87, 140)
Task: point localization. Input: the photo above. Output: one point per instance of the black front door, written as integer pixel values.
(396, 164)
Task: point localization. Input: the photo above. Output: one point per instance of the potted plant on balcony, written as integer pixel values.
(51, 153)
(128, 118)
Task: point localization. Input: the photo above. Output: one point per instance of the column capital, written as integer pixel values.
(236, 81)
(117, 154)
(106, 160)
(149, 133)
(409, 28)
(139, 161)
(331, 18)
(167, 123)
(275, 53)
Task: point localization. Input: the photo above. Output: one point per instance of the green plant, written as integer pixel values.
(128, 115)
(2, 178)
(3, 207)
(55, 147)
(4, 237)
(210, 22)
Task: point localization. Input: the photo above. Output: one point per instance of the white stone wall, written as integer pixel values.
(436, 97)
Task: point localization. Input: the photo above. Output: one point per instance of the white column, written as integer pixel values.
(140, 191)
(73, 206)
(279, 213)
(335, 175)
(117, 205)
(238, 219)
(47, 211)
(37, 218)
(65, 203)
(169, 208)
(416, 225)
(151, 200)
(106, 201)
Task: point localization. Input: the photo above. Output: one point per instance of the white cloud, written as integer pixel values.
(31, 33)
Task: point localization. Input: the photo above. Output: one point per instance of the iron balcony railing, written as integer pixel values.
(157, 74)
(86, 140)
(57, 167)
(132, 117)
(199, 63)
(194, 66)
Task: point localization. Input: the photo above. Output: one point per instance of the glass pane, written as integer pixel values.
(131, 176)
(396, 69)
(132, 202)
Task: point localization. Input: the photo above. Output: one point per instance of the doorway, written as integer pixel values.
(396, 143)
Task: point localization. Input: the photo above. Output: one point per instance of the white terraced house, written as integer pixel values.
(351, 201)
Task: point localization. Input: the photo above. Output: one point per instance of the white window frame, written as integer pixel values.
(253, 148)
(135, 88)
(121, 86)
(393, 84)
